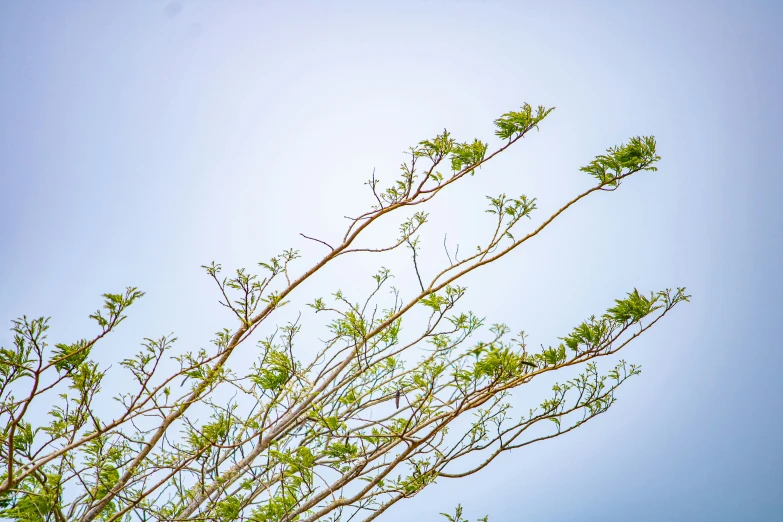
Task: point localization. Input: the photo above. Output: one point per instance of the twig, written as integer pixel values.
(373, 182)
(415, 265)
(451, 263)
(314, 239)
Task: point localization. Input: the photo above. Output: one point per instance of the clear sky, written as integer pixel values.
(140, 140)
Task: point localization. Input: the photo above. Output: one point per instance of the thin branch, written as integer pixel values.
(318, 240)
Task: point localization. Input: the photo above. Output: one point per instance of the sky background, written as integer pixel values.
(140, 140)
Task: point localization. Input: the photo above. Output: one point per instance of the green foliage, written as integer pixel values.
(515, 208)
(228, 509)
(437, 148)
(638, 154)
(553, 356)
(422, 475)
(457, 517)
(67, 357)
(367, 411)
(468, 155)
(500, 364)
(115, 304)
(297, 465)
(514, 124)
(446, 301)
(275, 508)
(633, 308)
(34, 501)
(595, 332)
(275, 371)
(342, 451)
(20, 362)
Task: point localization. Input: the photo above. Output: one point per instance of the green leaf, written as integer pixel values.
(516, 123)
(638, 154)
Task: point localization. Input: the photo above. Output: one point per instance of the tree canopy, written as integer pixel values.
(406, 389)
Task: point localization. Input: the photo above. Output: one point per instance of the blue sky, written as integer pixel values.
(140, 140)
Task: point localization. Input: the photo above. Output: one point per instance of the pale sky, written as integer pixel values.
(140, 140)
